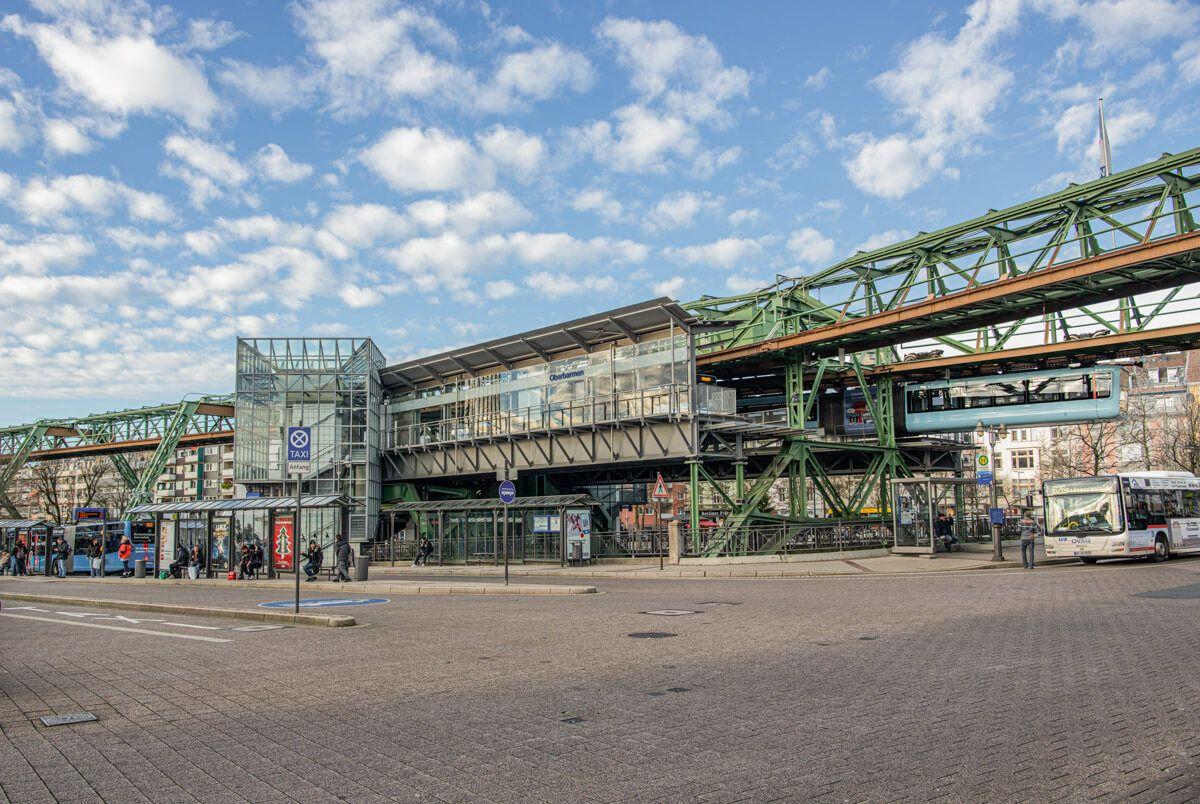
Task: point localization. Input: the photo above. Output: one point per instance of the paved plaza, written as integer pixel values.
(1064, 683)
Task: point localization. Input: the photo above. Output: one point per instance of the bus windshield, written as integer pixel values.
(1082, 505)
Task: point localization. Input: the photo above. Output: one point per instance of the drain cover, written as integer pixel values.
(66, 720)
(719, 603)
(670, 612)
(867, 638)
(651, 634)
(679, 689)
(1189, 592)
(571, 720)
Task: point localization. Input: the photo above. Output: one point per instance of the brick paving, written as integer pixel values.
(1061, 684)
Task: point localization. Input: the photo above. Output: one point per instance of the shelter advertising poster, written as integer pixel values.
(282, 543)
(579, 531)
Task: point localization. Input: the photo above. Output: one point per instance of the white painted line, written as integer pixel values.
(114, 628)
(189, 625)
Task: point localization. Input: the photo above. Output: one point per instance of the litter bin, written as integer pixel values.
(361, 565)
(139, 568)
(577, 553)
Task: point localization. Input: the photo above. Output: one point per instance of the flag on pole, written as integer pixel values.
(1105, 146)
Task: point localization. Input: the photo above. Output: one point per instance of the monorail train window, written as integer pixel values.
(1101, 385)
(1059, 389)
(987, 395)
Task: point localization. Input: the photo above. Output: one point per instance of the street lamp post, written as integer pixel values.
(986, 434)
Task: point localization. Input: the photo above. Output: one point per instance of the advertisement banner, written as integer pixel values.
(856, 415)
(579, 531)
(282, 543)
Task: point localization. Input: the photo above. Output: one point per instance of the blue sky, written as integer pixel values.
(437, 174)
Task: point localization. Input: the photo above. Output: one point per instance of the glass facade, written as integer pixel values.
(651, 378)
(331, 385)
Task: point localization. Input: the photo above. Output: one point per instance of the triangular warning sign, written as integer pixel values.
(660, 489)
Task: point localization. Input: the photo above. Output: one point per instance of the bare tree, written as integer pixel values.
(115, 495)
(49, 487)
(91, 473)
(1139, 428)
(1179, 444)
(1082, 450)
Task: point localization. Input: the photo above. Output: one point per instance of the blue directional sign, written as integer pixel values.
(983, 478)
(324, 602)
(508, 492)
(299, 450)
(996, 516)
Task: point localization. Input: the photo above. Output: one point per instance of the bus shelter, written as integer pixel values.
(36, 535)
(918, 503)
(222, 527)
(471, 531)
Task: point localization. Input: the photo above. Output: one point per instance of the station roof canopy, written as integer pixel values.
(248, 504)
(488, 504)
(21, 523)
(632, 322)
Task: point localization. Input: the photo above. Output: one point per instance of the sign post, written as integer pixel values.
(660, 494)
(508, 495)
(299, 462)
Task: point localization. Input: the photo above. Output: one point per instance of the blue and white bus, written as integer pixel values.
(1020, 399)
(1148, 514)
(141, 535)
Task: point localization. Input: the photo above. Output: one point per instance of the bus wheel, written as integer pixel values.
(1088, 560)
(1161, 551)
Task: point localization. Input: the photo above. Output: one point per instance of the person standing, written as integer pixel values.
(125, 553)
(19, 556)
(342, 551)
(1029, 531)
(196, 563)
(61, 551)
(96, 558)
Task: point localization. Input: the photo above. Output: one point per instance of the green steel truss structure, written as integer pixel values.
(160, 428)
(1113, 256)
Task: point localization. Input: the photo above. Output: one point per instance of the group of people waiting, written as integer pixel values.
(314, 557)
(15, 560)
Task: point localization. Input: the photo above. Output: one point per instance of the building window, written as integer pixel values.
(1023, 459)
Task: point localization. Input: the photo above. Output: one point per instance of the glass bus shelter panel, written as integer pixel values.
(913, 527)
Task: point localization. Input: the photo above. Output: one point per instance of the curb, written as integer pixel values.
(391, 586)
(322, 620)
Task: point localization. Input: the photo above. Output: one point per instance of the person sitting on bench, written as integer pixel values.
(182, 559)
(314, 556)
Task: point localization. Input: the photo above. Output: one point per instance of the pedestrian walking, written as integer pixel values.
(95, 554)
(314, 557)
(6, 561)
(125, 553)
(342, 552)
(1029, 531)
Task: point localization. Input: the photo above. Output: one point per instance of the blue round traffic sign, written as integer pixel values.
(508, 492)
(324, 602)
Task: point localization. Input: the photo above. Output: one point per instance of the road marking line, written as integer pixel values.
(189, 625)
(115, 628)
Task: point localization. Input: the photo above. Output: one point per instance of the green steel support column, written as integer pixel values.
(793, 489)
(800, 506)
(694, 502)
(124, 469)
(16, 460)
(739, 481)
(793, 375)
(175, 430)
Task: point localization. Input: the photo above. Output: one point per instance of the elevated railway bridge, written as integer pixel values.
(740, 393)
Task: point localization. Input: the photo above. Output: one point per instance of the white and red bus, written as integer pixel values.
(1150, 514)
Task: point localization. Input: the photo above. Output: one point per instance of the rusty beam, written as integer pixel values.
(146, 444)
(859, 330)
(1153, 340)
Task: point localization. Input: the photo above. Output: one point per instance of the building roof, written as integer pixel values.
(248, 504)
(488, 504)
(21, 523)
(631, 322)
